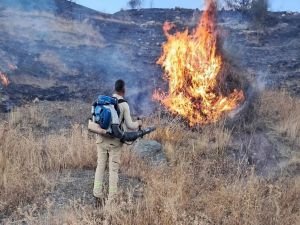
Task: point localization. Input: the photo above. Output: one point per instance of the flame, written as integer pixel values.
(192, 66)
(4, 79)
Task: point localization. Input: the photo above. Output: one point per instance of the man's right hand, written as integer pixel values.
(140, 123)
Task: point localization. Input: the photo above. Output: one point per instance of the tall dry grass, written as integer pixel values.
(281, 113)
(27, 160)
(201, 187)
(28, 116)
(201, 184)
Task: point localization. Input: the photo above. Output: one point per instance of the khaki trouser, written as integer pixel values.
(108, 149)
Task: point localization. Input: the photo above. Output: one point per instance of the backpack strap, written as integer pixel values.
(121, 101)
(118, 110)
(117, 106)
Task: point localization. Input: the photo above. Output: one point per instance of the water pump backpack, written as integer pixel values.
(105, 111)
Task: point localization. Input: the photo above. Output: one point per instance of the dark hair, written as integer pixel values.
(120, 86)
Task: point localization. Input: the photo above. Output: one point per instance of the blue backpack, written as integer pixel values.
(105, 111)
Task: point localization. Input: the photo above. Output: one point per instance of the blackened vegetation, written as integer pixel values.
(232, 78)
(27, 92)
(65, 61)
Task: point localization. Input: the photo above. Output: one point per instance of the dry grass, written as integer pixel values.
(200, 185)
(26, 160)
(281, 113)
(33, 115)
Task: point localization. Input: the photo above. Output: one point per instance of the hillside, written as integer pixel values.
(59, 50)
(58, 56)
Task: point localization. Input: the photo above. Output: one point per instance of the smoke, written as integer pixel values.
(260, 83)
(240, 44)
(55, 43)
(121, 63)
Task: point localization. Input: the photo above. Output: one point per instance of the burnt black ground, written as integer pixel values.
(129, 46)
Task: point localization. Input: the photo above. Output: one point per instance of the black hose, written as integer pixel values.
(129, 136)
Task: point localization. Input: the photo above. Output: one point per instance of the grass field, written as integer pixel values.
(202, 183)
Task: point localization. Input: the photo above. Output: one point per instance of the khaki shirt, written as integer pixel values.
(125, 116)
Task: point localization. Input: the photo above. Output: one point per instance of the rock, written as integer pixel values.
(36, 100)
(151, 151)
(259, 151)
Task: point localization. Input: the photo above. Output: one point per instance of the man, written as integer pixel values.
(109, 148)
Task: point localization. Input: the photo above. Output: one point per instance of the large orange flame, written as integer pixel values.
(192, 65)
(4, 79)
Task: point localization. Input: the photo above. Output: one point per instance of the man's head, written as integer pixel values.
(120, 87)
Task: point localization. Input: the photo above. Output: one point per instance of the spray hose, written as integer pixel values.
(130, 136)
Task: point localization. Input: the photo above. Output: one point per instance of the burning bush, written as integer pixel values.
(194, 67)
